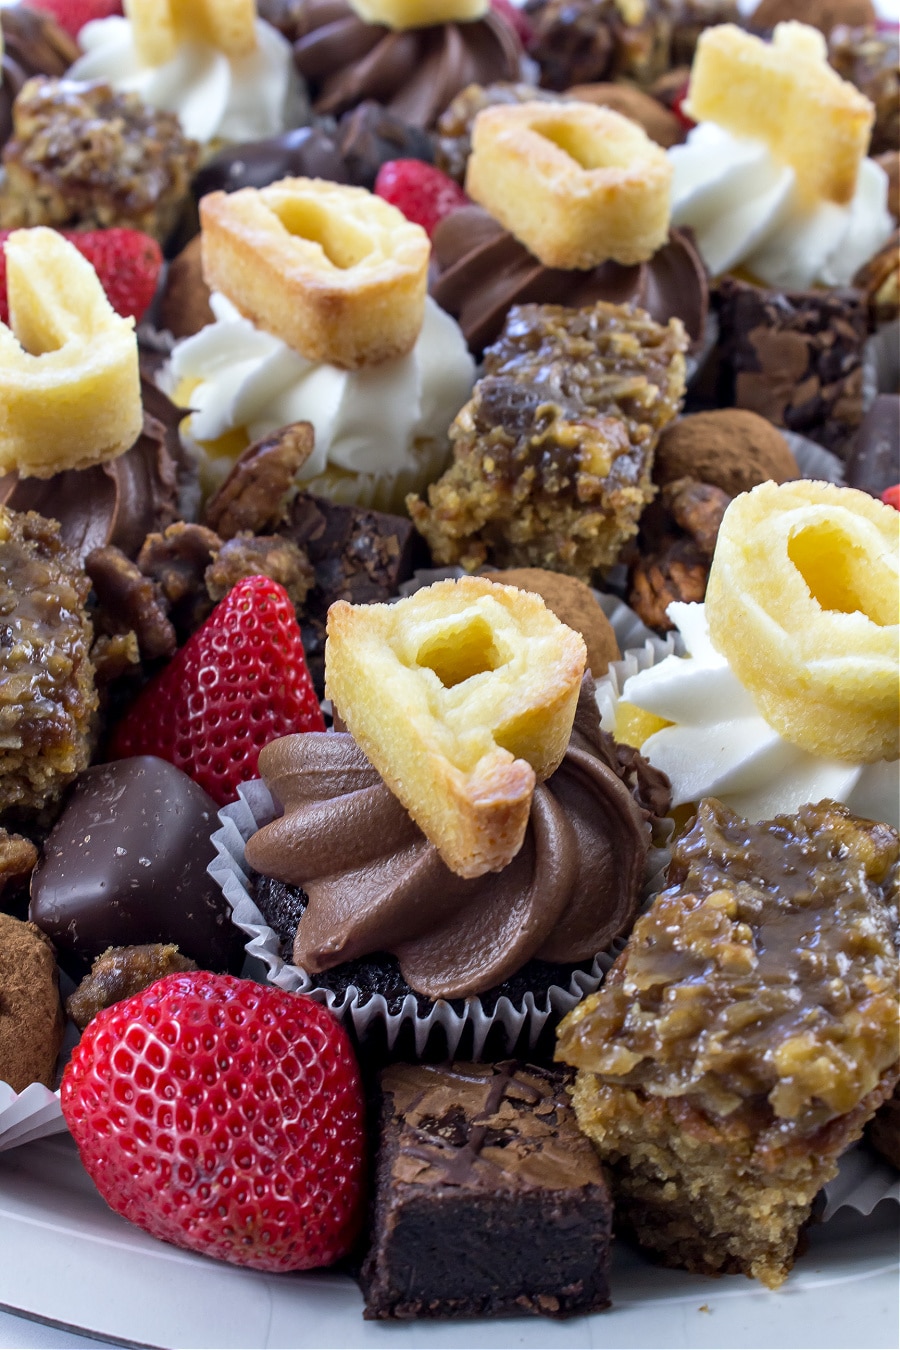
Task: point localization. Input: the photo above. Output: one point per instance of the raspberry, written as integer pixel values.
(421, 192)
(72, 15)
(223, 1116)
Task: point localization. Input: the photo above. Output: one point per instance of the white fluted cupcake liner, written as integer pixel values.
(31, 1114)
(813, 460)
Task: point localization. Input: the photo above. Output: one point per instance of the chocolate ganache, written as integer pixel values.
(479, 271)
(375, 883)
(414, 72)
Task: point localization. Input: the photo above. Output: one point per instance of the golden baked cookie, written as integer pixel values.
(400, 14)
(70, 393)
(576, 183)
(803, 601)
(160, 27)
(334, 271)
(462, 696)
(786, 94)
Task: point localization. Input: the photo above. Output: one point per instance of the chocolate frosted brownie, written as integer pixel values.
(552, 454)
(488, 1200)
(795, 357)
(745, 1036)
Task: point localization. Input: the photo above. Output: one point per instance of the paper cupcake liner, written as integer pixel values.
(813, 460)
(31, 1114)
(881, 365)
(862, 1182)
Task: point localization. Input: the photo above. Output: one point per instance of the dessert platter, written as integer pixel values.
(449, 673)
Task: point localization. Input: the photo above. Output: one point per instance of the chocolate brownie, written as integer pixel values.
(488, 1199)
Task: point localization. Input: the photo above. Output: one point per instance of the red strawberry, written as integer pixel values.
(223, 1116)
(126, 261)
(72, 15)
(420, 191)
(891, 496)
(678, 108)
(517, 20)
(239, 682)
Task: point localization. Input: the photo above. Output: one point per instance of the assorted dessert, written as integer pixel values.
(464, 575)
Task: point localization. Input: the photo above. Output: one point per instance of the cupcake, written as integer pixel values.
(226, 83)
(789, 691)
(539, 863)
(380, 392)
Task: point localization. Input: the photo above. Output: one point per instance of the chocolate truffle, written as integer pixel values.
(184, 304)
(126, 864)
(731, 448)
(488, 1200)
(821, 14)
(573, 603)
(31, 1020)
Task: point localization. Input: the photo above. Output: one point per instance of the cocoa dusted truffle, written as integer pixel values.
(489, 1202)
(731, 448)
(126, 864)
(31, 1020)
(574, 604)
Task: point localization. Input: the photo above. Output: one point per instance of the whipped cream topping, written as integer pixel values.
(745, 210)
(370, 421)
(721, 746)
(215, 97)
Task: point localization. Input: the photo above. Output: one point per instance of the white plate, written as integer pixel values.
(66, 1258)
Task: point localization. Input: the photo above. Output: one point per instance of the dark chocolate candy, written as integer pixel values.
(874, 462)
(489, 1200)
(126, 864)
(349, 151)
(357, 555)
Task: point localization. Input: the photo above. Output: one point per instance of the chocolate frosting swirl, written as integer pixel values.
(414, 72)
(119, 502)
(375, 883)
(479, 271)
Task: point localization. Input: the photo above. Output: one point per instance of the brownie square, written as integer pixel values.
(489, 1201)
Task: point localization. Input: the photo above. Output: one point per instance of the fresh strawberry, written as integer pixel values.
(223, 1116)
(72, 15)
(517, 20)
(891, 496)
(421, 192)
(126, 261)
(239, 682)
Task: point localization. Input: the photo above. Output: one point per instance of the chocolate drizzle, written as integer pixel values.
(572, 888)
(479, 271)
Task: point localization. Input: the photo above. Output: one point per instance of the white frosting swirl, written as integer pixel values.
(721, 746)
(216, 97)
(373, 421)
(744, 209)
